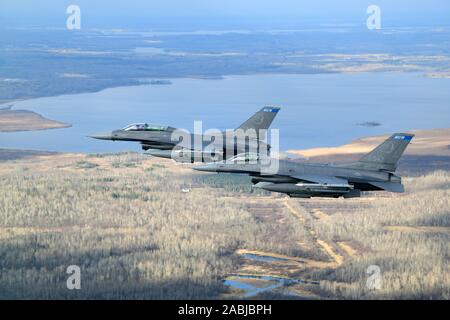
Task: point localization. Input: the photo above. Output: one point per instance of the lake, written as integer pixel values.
(317, 109)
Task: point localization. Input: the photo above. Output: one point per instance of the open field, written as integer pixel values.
(125, 220)
(24, 120)
(407, 236)
(128, 222)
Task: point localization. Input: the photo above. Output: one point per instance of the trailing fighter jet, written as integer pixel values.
(161, 141)
(373, 172)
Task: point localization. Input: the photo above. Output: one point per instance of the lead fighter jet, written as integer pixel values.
(159, 141)
(374, 171)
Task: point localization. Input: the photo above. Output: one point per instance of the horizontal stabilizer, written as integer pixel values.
(389, 186)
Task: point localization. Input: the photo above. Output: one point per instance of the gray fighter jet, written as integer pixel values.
(373, 172)
(162, 141)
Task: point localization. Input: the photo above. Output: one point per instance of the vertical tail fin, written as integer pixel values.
(385, 157)
(261, 119)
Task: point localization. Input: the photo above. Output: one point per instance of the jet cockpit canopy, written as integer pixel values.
(245, 157)
(145, 127)
(250, 158)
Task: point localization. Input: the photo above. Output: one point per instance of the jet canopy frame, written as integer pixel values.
(245, 157)
(145, 127)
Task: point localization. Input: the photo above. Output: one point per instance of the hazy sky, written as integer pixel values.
(179, 14)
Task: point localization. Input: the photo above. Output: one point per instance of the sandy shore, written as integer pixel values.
(434, 142)
(24, 120)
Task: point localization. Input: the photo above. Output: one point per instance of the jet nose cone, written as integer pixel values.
(102, 136)
(206, 168)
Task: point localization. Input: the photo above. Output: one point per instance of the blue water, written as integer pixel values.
(317, 110)
(251, 290)
(274, 283)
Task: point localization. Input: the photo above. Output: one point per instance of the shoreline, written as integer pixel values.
(138, 82)
(25, 120)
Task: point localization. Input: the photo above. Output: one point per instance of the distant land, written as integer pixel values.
(16, 154)
(369, 124)
(108, 58)
(24, 120)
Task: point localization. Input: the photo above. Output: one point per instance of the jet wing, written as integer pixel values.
(185, 155)
(315, 178)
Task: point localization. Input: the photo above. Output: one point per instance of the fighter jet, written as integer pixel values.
(159, 140)
(373, 172)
